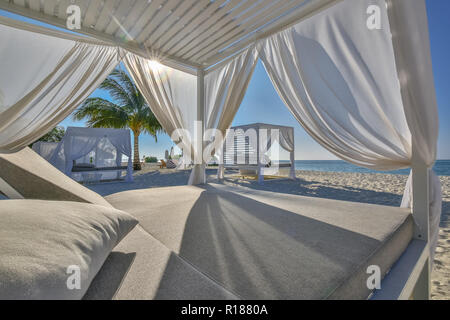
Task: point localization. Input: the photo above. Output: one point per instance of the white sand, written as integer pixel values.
(381, 189)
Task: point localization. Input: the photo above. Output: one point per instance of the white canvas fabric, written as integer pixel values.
(225, 87)
(340, 80)
(48, 77)
(105, 147)
(45, 149)
(170, 93)
(409, 26)
(41, 240)
(172, 96)
(287, 142)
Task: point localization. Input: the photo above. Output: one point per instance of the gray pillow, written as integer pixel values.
(54, 249)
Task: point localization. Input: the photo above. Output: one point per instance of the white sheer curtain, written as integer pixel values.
(287, 142)
(45, 149)
(225, 87)
(339, 79)
(172, 96)
(170, 93)
(48, 77)
(409, 25)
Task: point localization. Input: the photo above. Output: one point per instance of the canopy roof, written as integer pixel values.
(193, 33)
(259, 125)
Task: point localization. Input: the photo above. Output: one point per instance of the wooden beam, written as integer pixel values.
(285, 23)
(205, 41)
(213, 32)
(62, 8)
(269, 14)
(130, 20)
(49, 7)
(166, 22)
(192, 25)
(165, 59)
(119, 16)
(106, 14)
(162, 36)
(145, 16)
(92, 13)
(203, 27)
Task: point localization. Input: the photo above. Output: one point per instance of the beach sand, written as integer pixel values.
(383, 189)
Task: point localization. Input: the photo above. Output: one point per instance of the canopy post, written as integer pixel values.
(420, 211)
(292, 174)
(198, 175)
(259, 171)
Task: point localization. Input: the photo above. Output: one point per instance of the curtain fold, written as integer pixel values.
(48, 78)
(340, 80)
(171, 95)
(287, 142)
(225, 88)
(409, 25)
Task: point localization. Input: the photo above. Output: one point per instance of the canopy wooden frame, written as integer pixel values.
(197, 36)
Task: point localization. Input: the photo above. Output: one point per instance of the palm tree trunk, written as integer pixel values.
(136, 158)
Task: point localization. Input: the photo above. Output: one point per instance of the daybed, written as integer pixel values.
(240, 153)
(217, 242)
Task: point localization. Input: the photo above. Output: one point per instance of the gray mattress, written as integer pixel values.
(237, 243)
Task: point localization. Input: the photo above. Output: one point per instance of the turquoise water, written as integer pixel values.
(442, 167)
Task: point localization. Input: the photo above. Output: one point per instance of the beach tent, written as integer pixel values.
(45, 149)
(356, 74)
(94, 153)
(251, 156)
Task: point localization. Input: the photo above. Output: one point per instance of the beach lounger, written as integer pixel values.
(217, 242)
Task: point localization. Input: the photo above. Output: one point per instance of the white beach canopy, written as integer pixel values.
(240, 152)
(99, 149)
(45, 149)
(356, 74)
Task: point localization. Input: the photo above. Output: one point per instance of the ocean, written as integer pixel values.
(442, 167)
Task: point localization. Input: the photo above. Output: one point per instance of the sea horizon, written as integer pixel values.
(441, 167)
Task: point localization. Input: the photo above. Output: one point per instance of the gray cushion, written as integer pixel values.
(34, 178)
(141, 267)
(265, 245)
(40, 240)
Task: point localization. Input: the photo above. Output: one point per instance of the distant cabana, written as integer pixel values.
(247, 147)
(45, 149)
(94, 154)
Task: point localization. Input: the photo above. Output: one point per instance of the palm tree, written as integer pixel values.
(129, 110)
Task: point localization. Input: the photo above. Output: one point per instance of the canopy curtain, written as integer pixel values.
(225, 88)
(45, 149)
(287, 142)
(409, 25)
(172, 96)
(48, 77)
(109, 146)
(338, 77)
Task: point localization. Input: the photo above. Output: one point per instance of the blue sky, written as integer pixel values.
(262, 104)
